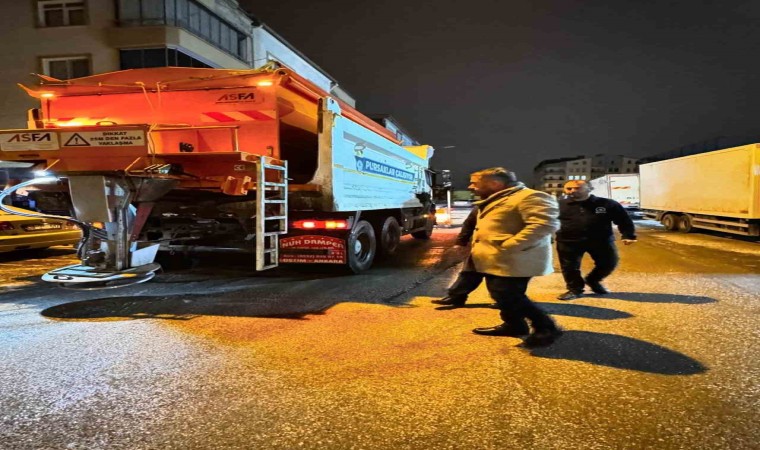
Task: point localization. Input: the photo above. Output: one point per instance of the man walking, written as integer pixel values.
(586, 227)
(511, 244)
(468, 279)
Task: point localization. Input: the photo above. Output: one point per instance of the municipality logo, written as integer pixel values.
(366, 165)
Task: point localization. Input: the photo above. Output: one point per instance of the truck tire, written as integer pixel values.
(670, 222)
(428, 230)
(361, 247)
(684, 224)
(390, 236)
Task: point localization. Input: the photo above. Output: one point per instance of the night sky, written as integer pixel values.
(511, 83)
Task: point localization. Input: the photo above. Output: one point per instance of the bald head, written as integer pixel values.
(577, 189)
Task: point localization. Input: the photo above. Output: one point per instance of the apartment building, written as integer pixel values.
(75, 38)
(550, 175)
(588, 168)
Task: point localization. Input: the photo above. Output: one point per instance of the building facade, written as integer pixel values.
(75, 38)
(550, 175)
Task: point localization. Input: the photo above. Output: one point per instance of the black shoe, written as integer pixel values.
(543, 338)
(570, 295)
(448, 301)
(597, 287)
(515, 330)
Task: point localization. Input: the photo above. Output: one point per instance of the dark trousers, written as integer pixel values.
(603, 253)
(514, 305)
(465, 283)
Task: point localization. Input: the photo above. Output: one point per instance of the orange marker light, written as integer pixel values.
(47, 95)
(337, 224)
(265, 83)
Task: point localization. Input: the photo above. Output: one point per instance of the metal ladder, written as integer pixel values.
(271, 195)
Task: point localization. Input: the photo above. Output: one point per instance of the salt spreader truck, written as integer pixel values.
(186, 160)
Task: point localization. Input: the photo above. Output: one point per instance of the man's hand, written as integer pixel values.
(628, 241)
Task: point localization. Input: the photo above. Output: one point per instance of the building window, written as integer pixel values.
(65, 67)
(141, 58)
(188, 14)
(61, 13)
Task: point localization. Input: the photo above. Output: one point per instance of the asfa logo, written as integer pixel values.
(30, 137)
(237, 97)
(601, 210)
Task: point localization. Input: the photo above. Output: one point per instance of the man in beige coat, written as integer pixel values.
(510, 245)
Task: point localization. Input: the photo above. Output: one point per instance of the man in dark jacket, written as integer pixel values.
(586, 227)
(468, 279)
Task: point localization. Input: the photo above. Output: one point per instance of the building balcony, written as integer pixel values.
(187, 15)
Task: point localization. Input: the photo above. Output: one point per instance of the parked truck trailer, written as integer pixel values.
(717, 191)
(180, 160)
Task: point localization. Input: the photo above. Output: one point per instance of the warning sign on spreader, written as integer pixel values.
(113, 138)
(312, 250)
(29, 140)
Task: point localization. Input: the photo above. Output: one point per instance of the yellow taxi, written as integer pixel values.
(25, 233)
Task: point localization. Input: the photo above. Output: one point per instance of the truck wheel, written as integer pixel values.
(428, 231)
(670, 222)
(361, 247)
(684, 224)
(390, 236)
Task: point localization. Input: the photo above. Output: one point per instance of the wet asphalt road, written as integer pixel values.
(216, 358)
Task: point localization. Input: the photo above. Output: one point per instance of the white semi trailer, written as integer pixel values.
(623, 188)
(718, 191)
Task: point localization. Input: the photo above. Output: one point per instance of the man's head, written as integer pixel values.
(577, 189)
(490, 181)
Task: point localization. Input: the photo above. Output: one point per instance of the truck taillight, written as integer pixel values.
(5, 226)
(306, 224)
(339, 224)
